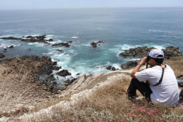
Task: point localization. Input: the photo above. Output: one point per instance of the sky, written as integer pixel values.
(55, 4)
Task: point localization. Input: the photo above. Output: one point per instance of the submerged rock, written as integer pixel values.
(96, 44)
(11, 46)
(63, 44)
(2, 55)
(61, 51)
(111, 68)
(64, 73)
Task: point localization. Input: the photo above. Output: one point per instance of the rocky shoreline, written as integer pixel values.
(38, 69)
(140, 52)
(42, 73)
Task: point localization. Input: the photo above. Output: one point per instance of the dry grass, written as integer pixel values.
(110, 104)
(176, 64)
(17, 95)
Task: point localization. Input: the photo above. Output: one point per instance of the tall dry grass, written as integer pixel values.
(110, 104)
(9, 98)
(176, 64)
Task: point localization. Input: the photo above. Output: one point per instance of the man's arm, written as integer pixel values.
(136, 69)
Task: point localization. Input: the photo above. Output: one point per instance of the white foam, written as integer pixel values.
(160, 31)
(6, 45)
(74, 37)
(126, 46)
(116, 65)
(72, 53)
(117, 49)
(15, 35)
(37, 44)
(54, 60)
(87, 45)
(54, 42)
(48, 37)
(158, 47)
(64, 59)
(88, 70)
(53, 53)
(16, 45)
(35, 35)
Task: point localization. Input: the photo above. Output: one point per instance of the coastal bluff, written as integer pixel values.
(23, 75)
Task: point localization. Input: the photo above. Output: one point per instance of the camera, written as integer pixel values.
(147, 61)
(148, 57)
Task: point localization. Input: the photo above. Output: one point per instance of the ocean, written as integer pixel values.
(118, 28)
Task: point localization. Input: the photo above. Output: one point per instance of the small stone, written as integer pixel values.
(59, 91)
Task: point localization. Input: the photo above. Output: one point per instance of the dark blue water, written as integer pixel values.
(119, 28)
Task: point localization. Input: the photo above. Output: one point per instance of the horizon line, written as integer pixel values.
(93, 7)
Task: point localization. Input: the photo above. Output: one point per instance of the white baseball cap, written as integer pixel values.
(156, 53)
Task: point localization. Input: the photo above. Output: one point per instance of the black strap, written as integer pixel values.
(161, 77)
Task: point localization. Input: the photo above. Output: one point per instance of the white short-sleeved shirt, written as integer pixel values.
(166, 92)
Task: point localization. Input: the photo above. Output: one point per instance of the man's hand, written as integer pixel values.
(143, 60)
(136, 69)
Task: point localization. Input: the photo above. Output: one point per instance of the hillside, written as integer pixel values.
(101, 97)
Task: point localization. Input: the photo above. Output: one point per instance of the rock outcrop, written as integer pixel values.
(64, 73)
(172, 52)
(140, 52)
(61, 51)
(38, 69)
(130, 64)
(111, 68)
(41, 39)
(2, 55)
(63, 44)
(96, 44)
(11, 46)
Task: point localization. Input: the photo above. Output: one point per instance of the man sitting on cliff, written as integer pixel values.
(162, 87)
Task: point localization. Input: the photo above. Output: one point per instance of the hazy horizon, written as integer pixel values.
(59, 4)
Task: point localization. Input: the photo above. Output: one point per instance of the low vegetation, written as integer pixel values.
(110, 104)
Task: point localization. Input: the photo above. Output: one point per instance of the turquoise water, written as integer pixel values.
(118, 28)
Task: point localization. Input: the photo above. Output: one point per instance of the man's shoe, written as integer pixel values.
(132, 97)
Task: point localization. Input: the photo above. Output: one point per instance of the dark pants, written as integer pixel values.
(144, 89)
